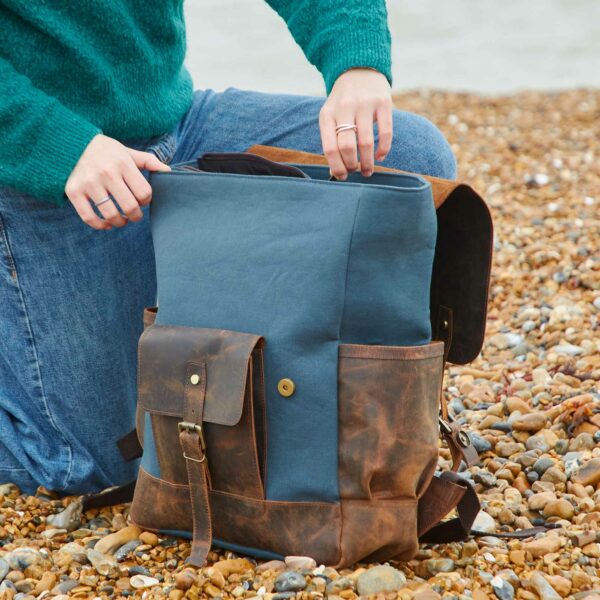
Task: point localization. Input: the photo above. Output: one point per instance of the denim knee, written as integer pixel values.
(419, 146)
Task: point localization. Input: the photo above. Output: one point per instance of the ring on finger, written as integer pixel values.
(345, 127)
(105, 199)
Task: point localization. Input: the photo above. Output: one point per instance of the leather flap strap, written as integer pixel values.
(191, 438)
(446, 492)
(459, 443)
(163, 351)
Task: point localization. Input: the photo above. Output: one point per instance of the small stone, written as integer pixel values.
(484, 522)
(382, 578)
(4, 569)
(567, 349)
(290, 581)
(480, 443)
(110, 543)
(104, 564)
(588, 474)
(506, 449)
(531, 422)
(517, 557)
(143, 581)
(559, 508)
(538, 501)
(502, 589)
(69, 519)
(65, 586)
(542, 464)
(126, 549)
(439, 565)
(233, 565)
(544, 590)
(74, 552)
(537, 442)
(271, 565)
(554, 475)
(148, 537)
(561, 584)
(185, 580)
(542, 546)
(339, 584)
(24, 557)
(46, 583)
(300, 563)
(592, 550)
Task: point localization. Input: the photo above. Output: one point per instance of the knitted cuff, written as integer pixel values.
(351, 49)
(54, 154)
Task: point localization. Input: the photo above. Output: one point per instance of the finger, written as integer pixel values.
(108, 209)
(138, 184)
(86, 213)
(147, 160)
(364, 124)
(384, 129)
(347, 139)
(330, 145)
(125, 199)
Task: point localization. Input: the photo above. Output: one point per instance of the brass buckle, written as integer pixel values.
(191, 427)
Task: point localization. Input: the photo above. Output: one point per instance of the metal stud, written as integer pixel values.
(286, 387)
(195, 379)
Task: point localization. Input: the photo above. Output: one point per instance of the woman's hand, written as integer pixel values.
(359, 96)
(108, 167)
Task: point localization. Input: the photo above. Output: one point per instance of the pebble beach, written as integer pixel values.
(531, 402)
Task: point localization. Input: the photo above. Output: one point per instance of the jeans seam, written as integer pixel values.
(31, 339)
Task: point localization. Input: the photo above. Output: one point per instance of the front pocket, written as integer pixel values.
(388, 401)
(234, 407)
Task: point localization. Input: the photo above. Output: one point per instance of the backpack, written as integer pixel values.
(290, 374)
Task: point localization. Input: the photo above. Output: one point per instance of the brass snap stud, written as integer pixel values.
(286, 387)
(195, 379)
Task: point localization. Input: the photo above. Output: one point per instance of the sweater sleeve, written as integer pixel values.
(41, 139)
(336, 35)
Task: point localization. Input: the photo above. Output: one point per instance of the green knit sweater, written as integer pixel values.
(72, 69)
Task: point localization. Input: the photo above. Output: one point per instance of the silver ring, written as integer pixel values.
(102, 201)
(345, 127)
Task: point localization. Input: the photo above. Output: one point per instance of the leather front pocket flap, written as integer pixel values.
(164, 351)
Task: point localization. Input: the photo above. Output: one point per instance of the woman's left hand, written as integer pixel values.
(361, 97)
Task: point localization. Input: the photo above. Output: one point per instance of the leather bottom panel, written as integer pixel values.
(378, 530)
(287, 528)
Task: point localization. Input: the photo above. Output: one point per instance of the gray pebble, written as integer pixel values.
(289, 581)
(480, 443)
(537, 442)
(123, 552)
(21, 558)
(502, 589)
(339, 584)
(381, 578)
(69, 518)
(561, 446)
(64, 587)
(4, 569)
(284, 595)
(542, 464)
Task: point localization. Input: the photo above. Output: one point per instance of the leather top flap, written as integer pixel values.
(164, 352)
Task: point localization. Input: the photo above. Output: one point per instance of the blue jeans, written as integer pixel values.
(72, 297)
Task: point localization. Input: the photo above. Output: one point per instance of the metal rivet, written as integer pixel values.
(463, 439)
(195, 379)
(286, 387)
(445, 324)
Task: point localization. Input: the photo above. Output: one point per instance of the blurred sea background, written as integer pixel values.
(488, 46)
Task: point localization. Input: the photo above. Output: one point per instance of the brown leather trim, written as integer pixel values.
(289, 528)
(150, 315)
(163, 349)
(438, 500)
(378, 531)
(431, 350)
(441, 188)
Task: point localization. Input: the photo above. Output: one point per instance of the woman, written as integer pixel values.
(89, 97)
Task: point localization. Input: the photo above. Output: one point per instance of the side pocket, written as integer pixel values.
(388, 419)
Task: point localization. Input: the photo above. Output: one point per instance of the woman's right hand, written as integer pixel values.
(108, 167)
